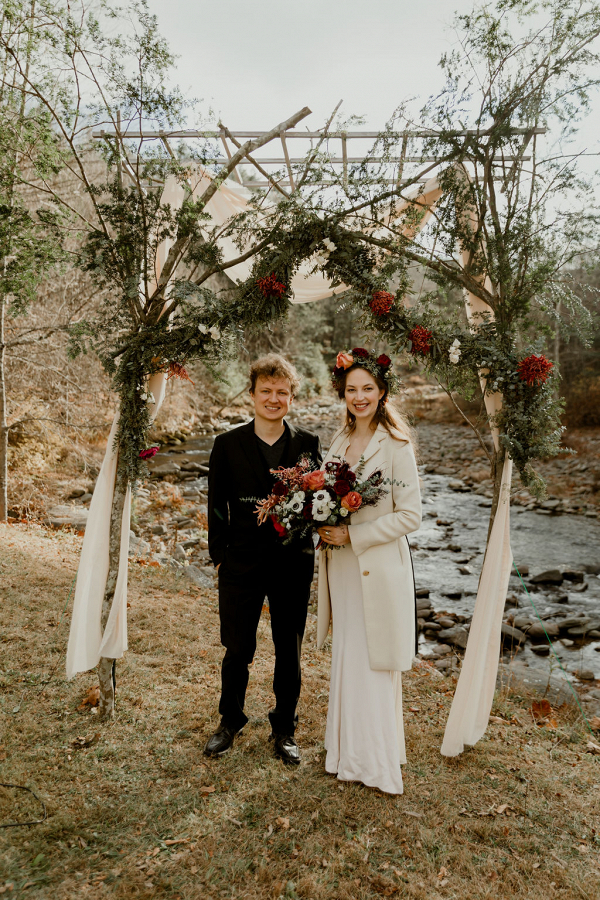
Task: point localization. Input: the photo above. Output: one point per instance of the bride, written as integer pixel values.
(366, 583)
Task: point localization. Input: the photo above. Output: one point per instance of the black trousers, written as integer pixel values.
(284, 578)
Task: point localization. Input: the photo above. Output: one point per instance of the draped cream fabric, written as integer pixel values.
(474, 694)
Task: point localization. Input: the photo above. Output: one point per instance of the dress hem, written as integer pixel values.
(359, 780)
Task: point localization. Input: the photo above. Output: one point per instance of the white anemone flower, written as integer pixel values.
(202, 328)
(330, 245)
(320, 497)
(214, 333)
(296, 503)
(320, 513)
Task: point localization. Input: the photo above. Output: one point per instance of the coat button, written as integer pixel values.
(365, 573)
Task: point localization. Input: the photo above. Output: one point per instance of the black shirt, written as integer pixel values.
(273, 454)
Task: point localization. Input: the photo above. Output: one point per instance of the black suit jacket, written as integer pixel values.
(237, 472)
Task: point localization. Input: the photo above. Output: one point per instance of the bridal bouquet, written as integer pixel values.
(305, 498)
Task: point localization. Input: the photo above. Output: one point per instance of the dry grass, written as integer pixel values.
(246, 826)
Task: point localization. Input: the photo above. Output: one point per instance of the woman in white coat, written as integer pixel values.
(366, 582)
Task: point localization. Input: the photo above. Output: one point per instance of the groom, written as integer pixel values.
(251, 560)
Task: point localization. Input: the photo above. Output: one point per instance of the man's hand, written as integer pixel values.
(334, 534)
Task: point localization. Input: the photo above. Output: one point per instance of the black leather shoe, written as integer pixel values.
(286, 748)
(220, 742)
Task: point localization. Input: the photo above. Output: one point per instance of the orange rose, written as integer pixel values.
(314, 481)
(344, 360)
(351, 501)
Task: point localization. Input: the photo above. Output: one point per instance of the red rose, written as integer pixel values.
(279, 528)
(420, 339)
(314, 481)
(360, 352)
(384, 361)
(280, 489)
(341, 487)
(381, 303)
(534, 370)
(352, 501)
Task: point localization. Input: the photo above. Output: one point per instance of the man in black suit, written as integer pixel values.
(251, 559)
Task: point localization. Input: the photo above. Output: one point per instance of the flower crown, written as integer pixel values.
(378, 366)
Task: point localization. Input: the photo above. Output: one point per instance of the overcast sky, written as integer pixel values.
(257, 63)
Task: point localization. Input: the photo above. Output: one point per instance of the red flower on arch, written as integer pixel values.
(420, 338)
(381, 303)
(534, 370)
(269, 286)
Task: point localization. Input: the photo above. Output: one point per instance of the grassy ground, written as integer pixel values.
(139, 813)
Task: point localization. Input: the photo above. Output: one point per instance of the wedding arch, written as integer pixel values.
(99, 628)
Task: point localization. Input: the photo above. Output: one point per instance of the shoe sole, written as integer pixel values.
(287, 760)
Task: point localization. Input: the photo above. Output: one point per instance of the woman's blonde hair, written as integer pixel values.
(388, 415)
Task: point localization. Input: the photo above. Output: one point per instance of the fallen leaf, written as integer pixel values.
(536, 865)
(415, 708)
(208, 789)
(443, 872)
(235, 821)
(408, 812)
(154, 563)
(502, 808)
(179, 841)
(92, 698)
(315, 815)
(595, 722)
(193, 869)
(592, 747)
(80, 743)
(283, 822)
(540, 709)
(498, 721)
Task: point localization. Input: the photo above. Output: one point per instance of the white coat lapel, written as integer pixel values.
(373, 445)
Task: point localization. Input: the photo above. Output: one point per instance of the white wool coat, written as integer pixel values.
(378, 538)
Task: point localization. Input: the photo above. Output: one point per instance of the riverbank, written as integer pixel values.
(135, 811)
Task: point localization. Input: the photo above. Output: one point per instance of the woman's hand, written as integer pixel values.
(334, 534)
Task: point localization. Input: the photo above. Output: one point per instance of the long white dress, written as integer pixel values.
(364, 737)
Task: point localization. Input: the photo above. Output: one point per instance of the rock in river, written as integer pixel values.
(550, 576)
(455, 635)
(511, 634)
